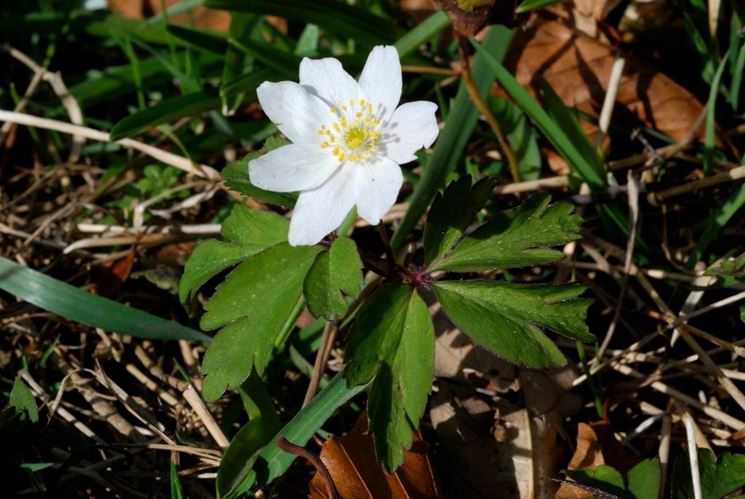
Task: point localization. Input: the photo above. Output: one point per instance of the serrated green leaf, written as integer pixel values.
(335, 276)
(246, 231)
(445, 225)
(75, 304)
(506, 318)
(516, 238)
(644, 479)
(602, 477)
(166, 111)
(22, 400)
(392, 330)
(717, 478)
(251, 306)
(235, 175)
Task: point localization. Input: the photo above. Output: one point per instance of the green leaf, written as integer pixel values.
(505, 318)
(644, 479)
(166, 111)
(235, 175)
(22, 400)
(454, 136)
(251, 306)
(516, 238)
(445, 225)
(717, 479)
(521, 136)
(601, 477)
(246, 231)
(95, 311)
(392, 330)
(530, 5)
(335, 276)
(334, 16)
(271, 461)
(589, 167)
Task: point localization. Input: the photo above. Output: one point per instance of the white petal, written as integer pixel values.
(412, 127)
(381, 80)
(294, 167)
(320, 211)
(297, 113)
(379, 185)
(327, 79)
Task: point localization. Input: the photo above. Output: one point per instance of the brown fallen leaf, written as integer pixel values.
(578, 68)
(358, 475)
(110, 275)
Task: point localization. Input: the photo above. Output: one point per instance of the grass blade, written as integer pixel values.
(334, 16)
(453, 137)
(270, 462)
(422, 32)
(166, 111)
(75, 304)
(586, 167)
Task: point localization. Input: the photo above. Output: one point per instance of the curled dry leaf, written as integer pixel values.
(357, 474)
(578, 68)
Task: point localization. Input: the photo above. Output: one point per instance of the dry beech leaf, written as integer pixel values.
(358, 475)
(578, 68)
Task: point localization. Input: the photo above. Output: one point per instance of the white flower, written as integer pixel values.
(348, 140)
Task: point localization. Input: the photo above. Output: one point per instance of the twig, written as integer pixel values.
(693, 455)
(166, 157)
(633, 198)
(322, 356)
(732, 175)
(195, 401)
(664, 451)
(610, 99)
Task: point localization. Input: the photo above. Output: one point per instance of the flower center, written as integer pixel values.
(355, 133)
